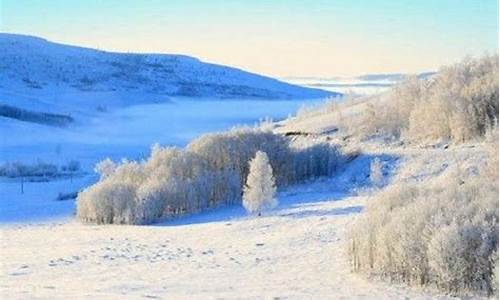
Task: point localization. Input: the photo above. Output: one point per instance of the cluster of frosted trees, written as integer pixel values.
(211, 171)
(33, 116)
(442, 234)
(38, 169)
(459, 103)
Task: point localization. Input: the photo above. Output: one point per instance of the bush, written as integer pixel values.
(38, 169)
(19, 169)
(211, 171)
(457, 104)
(460, 104)
(494, 274)
(442, 233)
(376, 173)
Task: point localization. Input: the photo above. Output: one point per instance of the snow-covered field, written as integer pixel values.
(296, 251)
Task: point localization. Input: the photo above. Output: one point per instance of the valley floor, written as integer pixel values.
(297, 251)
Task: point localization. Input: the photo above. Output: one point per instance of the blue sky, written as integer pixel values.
(279, 38)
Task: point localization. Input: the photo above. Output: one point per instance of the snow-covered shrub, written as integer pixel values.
(105, 168)
(376, 174)
(260, 188)
(233, 149)
(310, 161)
(19, 169)
(494, 273)
(107, 202)
(113, 199)
(441, 233)
(459, 103)
(290, 163)
(211, 171)
(388, 114)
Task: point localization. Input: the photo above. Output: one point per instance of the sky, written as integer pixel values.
(278, 38)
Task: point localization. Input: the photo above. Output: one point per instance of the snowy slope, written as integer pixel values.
(34, 65)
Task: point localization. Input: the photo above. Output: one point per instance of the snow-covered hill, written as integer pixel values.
(31, 63)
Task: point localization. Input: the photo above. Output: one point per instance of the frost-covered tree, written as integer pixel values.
(457, 104)
(260, 187)
(441, 232)
(105, 168)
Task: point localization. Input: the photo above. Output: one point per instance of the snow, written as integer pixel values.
(34, 206)
(38, 64)
(295, 251)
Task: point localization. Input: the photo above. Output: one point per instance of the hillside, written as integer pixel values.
(31, 63)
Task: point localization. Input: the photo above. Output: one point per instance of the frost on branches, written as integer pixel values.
(260, 187)
(211, 171)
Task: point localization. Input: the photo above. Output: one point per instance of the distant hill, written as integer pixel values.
(391, 76)
(359, 85)
(37, 64)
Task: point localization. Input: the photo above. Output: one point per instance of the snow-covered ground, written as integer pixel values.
(297, 251)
